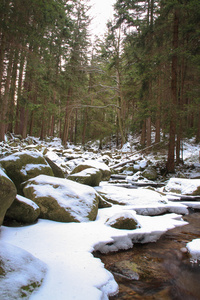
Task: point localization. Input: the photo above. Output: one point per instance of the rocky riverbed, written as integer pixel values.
(87, 200)
(161, 270)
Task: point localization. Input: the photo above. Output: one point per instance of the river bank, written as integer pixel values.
(160, 270)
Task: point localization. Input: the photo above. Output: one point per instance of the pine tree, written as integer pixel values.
(75, 69)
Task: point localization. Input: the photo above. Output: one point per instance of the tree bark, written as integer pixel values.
(5, 102)
(171, 147)
(12, 92)
(198, 127)
(19, 92)
(148, 131)
(158, 112)
(143, 134)
(85, 120)
(67, 113)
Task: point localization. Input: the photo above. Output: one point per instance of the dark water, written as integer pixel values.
(161, 270)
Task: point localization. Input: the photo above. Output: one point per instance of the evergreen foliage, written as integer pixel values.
(144, 72)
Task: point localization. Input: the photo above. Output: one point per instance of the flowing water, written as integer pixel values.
(161, 270)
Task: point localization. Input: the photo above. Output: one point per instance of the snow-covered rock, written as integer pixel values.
(150, 173)
(23, 210)
(105, 170)
(89, 176)
(135, 197)
(194, 249)
(144, 201)
(24, 165)
(62, 200)
(21, 273)
(7, 194)
(123, 220)
(57, 171)
(183, 186)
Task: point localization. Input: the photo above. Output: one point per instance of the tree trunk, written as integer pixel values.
(85, 120)
(2, 53)
(72, 128)
(172, 132)
(181, 108)
(158, 112)
(76, 126)
(67, 113)
(19, 92)
(53, 115)
(31, 123)
(120, 111)
(143, 134)
(198, 127)
(5, 104)
(148, 131)
(12, 92)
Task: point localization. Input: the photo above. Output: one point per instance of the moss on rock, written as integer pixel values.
(22, 166)
(89, 176)
(23, 210)
(8, 193)
(124, 220)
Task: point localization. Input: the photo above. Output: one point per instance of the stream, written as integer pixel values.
(162, 270)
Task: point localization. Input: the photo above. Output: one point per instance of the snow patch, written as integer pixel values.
(194, 249)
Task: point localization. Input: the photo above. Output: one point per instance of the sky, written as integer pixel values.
(101, 12)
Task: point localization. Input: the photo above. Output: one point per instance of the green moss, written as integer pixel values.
(125, 223)
(2, 272)
(15, 166)
(26, 290)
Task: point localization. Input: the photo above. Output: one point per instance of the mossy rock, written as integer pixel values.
(89, 176)
(80, 168)
(183, 186)
(20, 273)
(123, 221)
(57, 171)
(126, 269)
(103, 203)
(150, 173)
(105, 170)
(23, 210)
(22, 166)
(8, 193)
(62, 200)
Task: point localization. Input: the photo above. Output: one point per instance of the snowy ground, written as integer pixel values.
(66, 248)
(73, 272)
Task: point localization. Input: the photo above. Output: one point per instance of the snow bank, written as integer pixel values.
(66, 248)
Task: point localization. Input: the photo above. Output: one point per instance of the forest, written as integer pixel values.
(143, 74)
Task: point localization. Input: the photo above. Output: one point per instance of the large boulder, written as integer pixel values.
(24, 165)
(8, 193)
(20, 272)
(183, 186)
(23, 210)
(105, 170)
(89, 176)
(62, 200)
